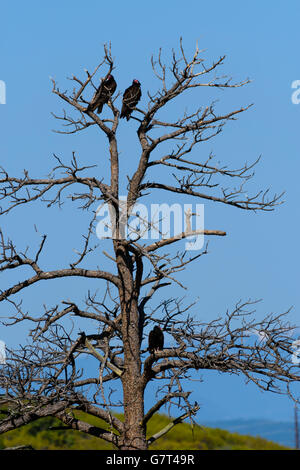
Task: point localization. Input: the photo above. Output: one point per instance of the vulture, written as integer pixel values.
(103, 94)
(131, 97)
(156, 340)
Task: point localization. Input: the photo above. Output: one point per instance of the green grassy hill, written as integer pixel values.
(182, 436)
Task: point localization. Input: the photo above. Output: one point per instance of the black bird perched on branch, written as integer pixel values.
(103, 94)
(131, 97)
(156, 340)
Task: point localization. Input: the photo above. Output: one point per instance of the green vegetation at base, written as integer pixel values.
(181, 437)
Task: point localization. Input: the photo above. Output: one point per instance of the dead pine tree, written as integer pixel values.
(44, 377)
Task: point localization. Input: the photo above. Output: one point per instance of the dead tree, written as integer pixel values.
(43, 378)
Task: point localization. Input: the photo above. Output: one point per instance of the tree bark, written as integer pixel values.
(134, 436)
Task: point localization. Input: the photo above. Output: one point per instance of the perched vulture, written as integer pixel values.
(103, 94)
(131, 97)
(156, 340)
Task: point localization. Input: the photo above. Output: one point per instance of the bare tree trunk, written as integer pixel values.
(133, 395)
(134, 436)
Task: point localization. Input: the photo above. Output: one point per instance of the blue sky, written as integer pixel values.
(259, 258)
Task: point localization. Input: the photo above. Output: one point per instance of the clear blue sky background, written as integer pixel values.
(260, 256)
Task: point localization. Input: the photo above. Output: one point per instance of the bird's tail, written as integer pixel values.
(99, 110)
(125, 115)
